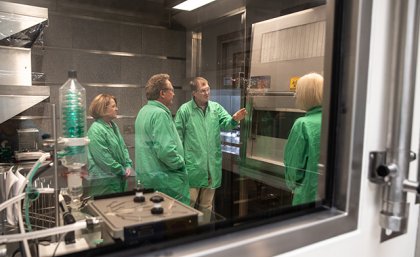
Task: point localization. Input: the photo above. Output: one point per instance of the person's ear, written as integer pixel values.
(161, 93)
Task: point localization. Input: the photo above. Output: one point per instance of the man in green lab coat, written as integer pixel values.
(158, 149)
(301, 154)
(199, 122)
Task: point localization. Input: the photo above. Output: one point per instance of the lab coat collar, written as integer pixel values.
(195, 105)
(101, 121)
(313, 110)
(160, 105)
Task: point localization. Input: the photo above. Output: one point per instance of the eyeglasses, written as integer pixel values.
(204, 91)
(168, 89)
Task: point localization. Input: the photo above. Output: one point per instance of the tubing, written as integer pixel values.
(43, 233)
(11, 201)
(20, 218)
(28, 191)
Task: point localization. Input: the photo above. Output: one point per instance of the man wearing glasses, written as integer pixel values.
(199, 123)
(158, 149)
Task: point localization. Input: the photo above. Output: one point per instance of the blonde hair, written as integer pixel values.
(155, 84)
(97, 108)
(309, 91)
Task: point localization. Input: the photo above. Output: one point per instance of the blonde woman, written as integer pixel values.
(108, 158)
(301, 154)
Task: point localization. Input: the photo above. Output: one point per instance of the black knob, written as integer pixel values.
(156, 210)
(156, 199)
(72, 74)
(383, 170)
(139, 198)
(70, 237)
(45, 136)
(68, 218)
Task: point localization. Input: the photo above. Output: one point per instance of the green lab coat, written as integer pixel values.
(200, 134)
(301, 156)
(159, 152)
(107, 159)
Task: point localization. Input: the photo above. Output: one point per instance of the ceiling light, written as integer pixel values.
(190, 5)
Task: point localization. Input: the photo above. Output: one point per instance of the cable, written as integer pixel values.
(16, 251)
(58, 243)
(22, 231)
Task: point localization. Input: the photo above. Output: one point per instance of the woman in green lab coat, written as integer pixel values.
(108, 158)
(301, 153)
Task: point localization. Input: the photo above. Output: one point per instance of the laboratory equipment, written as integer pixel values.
(73, 128)
(157, 217)
(28, 139)
(28, 145)
(272, 81)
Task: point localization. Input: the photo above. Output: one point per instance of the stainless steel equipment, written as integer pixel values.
(20, 26)
(271, 119)
(283, 49)
(28, 139)
(134, 221)
(28, 145)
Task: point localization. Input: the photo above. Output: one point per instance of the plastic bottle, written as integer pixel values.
(73, 129)
(73, 121)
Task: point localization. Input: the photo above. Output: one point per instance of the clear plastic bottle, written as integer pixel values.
(73, 129)
(73, 121)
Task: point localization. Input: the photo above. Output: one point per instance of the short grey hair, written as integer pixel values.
(197, 81)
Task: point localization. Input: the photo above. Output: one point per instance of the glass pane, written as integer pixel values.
(262, 168)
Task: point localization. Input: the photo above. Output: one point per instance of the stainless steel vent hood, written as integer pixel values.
(20, 26)
(14, 99)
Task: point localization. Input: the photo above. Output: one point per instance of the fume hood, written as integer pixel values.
(20, 26)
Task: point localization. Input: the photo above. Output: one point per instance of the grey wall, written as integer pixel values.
(211, 46)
